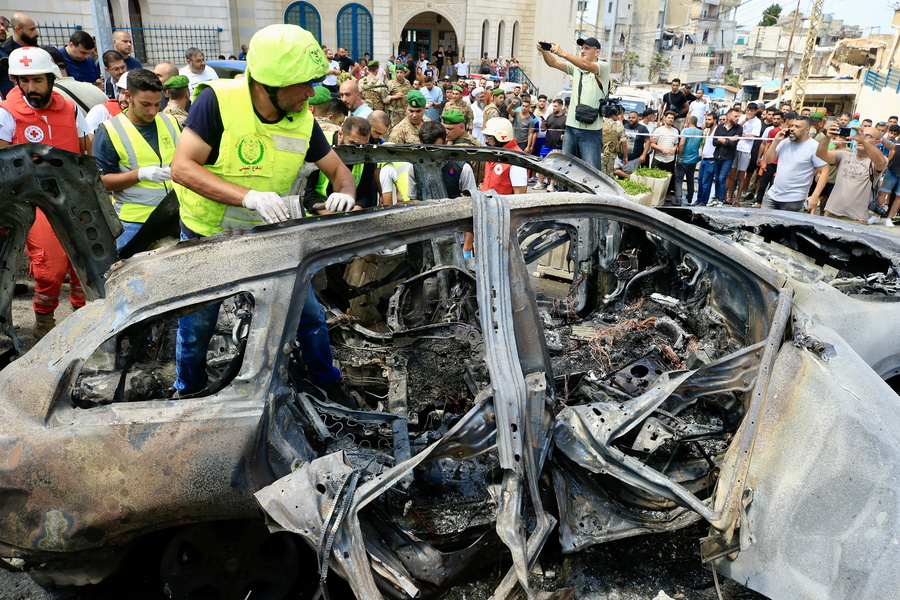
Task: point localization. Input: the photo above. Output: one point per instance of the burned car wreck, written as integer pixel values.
(690, 367)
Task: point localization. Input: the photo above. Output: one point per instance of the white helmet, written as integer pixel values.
(29, 60)
(498, 128)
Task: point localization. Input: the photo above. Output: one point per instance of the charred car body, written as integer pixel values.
(731, 372)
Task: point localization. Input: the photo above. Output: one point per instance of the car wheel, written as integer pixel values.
(228, 560)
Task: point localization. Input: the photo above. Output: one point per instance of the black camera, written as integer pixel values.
(610, 107)
(545, 45)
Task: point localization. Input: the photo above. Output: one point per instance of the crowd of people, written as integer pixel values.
(158, 131)
(774, 157)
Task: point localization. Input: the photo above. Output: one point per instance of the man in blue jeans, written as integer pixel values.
(707, 161)
(266, 118)
(689, 156)
(725, 140)
(590, 85)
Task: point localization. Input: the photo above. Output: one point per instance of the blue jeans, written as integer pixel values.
(131, 230)
(723, 168)
(707, 175)
(586, 144)
(684, 171)
(196, 330)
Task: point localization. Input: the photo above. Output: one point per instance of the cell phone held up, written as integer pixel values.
(845, 132)
(545, 45)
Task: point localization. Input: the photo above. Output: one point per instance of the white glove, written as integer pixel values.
(339, 202)
(157, 174)
(269, 205)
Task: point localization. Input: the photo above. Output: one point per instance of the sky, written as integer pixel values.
(865, 13)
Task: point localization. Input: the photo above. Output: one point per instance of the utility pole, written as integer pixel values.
(787, 55)
(102, 26)
(625, 54)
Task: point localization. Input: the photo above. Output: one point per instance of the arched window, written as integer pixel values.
(354, 30)
(514, 46)
(306, 16)
(501, 34)
(485, 37)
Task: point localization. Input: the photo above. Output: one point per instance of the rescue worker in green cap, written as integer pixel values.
(455, 102)
(318, 106)
(407, 130)
(373, 88)
(243, 144)
(176, 90)
(398, 88)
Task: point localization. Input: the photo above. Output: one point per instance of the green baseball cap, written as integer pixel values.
(452, 117)
(415, 99)
(321, 97)
(179, 81)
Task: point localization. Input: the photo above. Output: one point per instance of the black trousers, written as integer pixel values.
(764, 181)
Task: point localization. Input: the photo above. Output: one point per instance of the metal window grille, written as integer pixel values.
(153, 44)
(354, 25)
(56, 34)
(306, 16)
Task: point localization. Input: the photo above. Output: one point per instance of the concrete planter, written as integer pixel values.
(659, 187)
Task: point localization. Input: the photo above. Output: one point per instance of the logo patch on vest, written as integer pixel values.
(251, 151)
(33, 133)
(498, 169)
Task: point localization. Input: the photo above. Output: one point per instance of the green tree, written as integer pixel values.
(732, 78)
(630, 65)
(657, 65)
(770, 16)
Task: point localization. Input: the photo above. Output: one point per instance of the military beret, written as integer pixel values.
(321, 97)
(457, 88)
(179, 81)
(415, 99)
(817, 115)
(452, 117)
(401, 67)
(499, 93)
(373, 64)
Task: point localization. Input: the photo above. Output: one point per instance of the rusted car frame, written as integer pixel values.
(257, 441)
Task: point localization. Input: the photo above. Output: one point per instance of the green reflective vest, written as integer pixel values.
(135, 204)
(255, 155)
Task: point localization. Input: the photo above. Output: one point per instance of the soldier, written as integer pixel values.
(492, 110)
(454, 123)
(318, 106)
(407, 130)
(397, 91)
(456, 103)
(373, 88)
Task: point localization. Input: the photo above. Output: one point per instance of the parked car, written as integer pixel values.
(724, 367)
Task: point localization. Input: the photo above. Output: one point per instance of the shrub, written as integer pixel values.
(651, 173)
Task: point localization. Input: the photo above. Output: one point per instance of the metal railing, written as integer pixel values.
(161, 43)
(878, 80)
(152, 45)
(56, 34)
(513, 74)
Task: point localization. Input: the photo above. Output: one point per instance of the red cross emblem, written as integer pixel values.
(25, 61)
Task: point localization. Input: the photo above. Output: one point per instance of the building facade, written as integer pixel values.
(378, 27)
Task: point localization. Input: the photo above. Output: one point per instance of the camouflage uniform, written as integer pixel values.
(373, 90)
(490, 112)
(404, 133)
(176, 111)
(477, 167)
(398, 107)
(462, 107)
(326, 125)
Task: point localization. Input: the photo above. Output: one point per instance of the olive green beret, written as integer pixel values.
(179, 81)
(373, 64)
(321, 97)
(415, 99)
(457, 88)
(452, 117)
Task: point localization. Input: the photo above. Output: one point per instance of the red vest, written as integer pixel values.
(54, 125)
(496, 175)
(113, 107)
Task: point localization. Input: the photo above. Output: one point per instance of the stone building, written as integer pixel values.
(379, 27)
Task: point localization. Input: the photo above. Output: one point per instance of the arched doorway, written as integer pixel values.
(425, 32)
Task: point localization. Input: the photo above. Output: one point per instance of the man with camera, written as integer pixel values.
(590, 85)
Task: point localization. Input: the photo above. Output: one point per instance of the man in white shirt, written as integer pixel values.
(462, 67)
(334, 69)
(743, 159)
(797, 165)
(699, 107)
(664, 142)
(196, 70)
